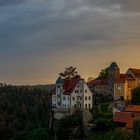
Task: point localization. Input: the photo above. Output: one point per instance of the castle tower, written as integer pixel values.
(114, 71)
(59, 91)
(114, 74)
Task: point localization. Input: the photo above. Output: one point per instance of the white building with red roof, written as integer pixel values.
(72, 93)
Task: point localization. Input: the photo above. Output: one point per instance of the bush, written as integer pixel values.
(117, 134)
(70, 126)
(35, 134)
(137, 129)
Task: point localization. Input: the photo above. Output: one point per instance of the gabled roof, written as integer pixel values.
(69, 85)
(124, 117)
(133, 108)
(113, 66)
(98, 82)
(131, 113)
(136, 72)
(124, 77)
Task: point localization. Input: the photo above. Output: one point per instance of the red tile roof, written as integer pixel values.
(124, 77)
(98, 82)
(69, 85)
(133, 108)
(124, 117)
(136, 72)
(131, 113)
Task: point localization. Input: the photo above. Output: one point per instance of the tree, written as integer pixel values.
(90, 79)
(136, 96)
(136, 128)
(69, 73)
(70, 127)
(103, 74)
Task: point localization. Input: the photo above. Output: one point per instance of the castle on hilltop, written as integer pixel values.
(116, 84)
(72, 93)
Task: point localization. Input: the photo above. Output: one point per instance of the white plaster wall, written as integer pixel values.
(66, 102)
(54, 101)
(87, 94)
(78, 97)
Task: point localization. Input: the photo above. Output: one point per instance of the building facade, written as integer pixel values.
(73, 93)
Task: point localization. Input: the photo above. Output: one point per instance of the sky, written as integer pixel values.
(39, 38)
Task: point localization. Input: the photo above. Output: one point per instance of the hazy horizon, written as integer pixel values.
(39, 38)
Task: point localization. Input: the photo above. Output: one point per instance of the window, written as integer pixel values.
(85, 98)
(54, 98)
(73, 98)
(85, 91)
(64, 98)
(58, 86)
(68, 98)
(75, 105)
(76, 91)
(89, 105)
(89, 97)
(85, 105)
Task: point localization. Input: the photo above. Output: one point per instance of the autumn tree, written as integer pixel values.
(69, 73)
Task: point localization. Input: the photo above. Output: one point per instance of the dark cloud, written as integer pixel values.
(10, 2)
(30, 30)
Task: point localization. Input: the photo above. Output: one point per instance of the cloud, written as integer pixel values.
(34, 30)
